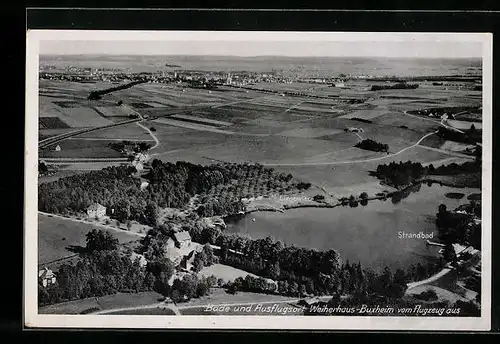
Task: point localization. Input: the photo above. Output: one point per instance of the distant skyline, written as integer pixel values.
(391, 49)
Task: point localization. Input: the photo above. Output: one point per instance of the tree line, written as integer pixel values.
(369, 144)
(402, 174)
(470, 136)
(171, 185)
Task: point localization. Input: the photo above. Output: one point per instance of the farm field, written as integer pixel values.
(130, 131)
(57, 237)
(81, 148)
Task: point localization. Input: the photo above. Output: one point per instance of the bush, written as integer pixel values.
(428, 295)
(318, 198)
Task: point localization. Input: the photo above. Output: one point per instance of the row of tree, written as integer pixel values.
(369, 144)
(402, 174)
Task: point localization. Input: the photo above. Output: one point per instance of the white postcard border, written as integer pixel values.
(30, 310)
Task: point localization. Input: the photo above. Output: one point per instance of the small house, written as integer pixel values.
(138, 165)
(182, 239)
(57, 148)
(142, 261)
(46, 277)
(96, 210)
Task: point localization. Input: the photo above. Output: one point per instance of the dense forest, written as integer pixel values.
(402, 174)
(372, 145)
(220, 186)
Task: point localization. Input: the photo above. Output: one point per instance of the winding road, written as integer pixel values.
(430, 279)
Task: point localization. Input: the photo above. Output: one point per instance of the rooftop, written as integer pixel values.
(182, 236)
(95, 206)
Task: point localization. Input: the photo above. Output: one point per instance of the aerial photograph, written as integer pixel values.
(297, 178)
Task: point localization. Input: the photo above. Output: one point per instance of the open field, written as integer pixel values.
(128, 131)
(58, 238)
(81, 148)
(227, 273)
(119, 300)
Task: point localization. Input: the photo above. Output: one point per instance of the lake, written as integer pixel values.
(368, 234)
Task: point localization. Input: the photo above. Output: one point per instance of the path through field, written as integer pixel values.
(157, 142)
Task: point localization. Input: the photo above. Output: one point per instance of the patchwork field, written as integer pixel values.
(301, 135)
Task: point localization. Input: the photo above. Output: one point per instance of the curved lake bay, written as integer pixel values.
(368, 234)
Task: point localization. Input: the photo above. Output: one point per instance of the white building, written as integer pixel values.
(46, 276)
(96, 210)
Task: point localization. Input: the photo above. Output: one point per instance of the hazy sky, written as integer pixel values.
(408, 48)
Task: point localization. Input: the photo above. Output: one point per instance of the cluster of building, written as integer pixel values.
(139, 160)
